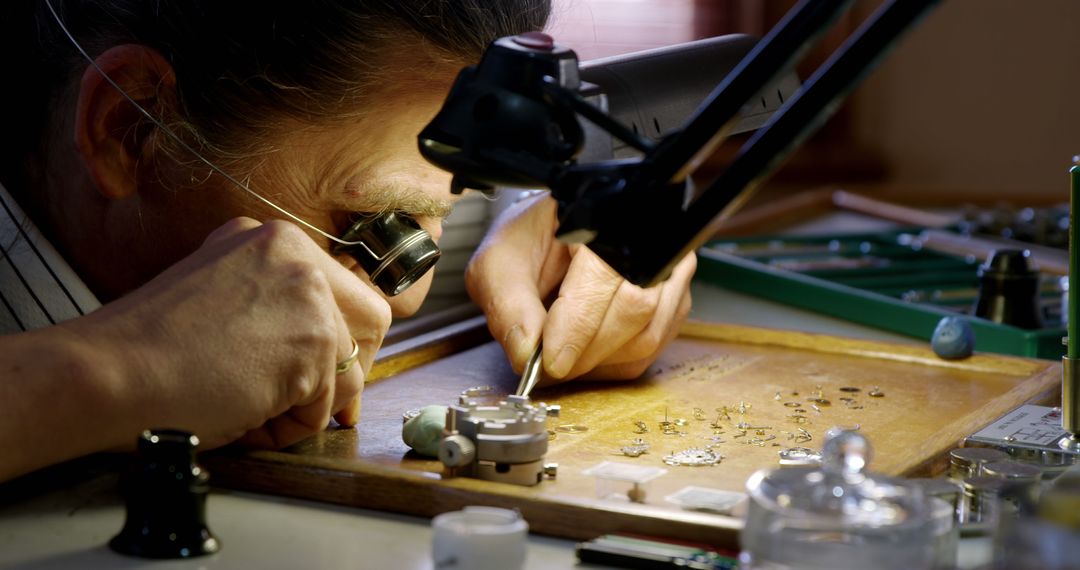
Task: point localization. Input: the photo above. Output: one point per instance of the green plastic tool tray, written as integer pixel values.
(882, 280)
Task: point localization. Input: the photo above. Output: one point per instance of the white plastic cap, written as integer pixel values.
(479, 538)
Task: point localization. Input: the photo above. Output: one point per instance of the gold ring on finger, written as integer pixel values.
(350, 360)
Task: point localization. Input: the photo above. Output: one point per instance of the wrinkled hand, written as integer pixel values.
(599, 326)
(240, 340)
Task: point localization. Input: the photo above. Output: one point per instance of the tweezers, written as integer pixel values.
(531, 375)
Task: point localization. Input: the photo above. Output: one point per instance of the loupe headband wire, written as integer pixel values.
(157, 122)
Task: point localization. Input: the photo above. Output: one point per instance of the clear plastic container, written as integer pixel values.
(837, 516)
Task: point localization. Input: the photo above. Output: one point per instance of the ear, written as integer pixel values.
(110, 132)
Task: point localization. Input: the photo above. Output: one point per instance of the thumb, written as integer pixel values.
(511, 301)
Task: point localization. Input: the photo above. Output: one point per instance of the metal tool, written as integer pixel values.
(531, 375)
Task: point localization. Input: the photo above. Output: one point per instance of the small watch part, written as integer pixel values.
(850, 389)
(572, 428)
(792, 404)
(799, 456)
(876, 393)
(476, 394)
(699, 414)
(636, 448)
(477, 391)
(694, 457)
(760, 441)
(641, 427)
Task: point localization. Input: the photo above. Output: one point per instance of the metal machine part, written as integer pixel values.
(1033, 434)
(1070, 406)
(655, 91)
(967, 462)
(504, 442)
(512, 120)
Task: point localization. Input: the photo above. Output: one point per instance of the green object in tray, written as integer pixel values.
(879, 280)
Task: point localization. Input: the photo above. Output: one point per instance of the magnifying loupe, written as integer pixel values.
(392, 248)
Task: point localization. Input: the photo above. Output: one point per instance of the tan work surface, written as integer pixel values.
(928, 406)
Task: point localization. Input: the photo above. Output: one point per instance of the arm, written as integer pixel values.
(55, 386)
(240, 340)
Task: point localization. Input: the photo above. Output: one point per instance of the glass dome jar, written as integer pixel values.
(836, 516)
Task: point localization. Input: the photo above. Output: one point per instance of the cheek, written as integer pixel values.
(409, 302)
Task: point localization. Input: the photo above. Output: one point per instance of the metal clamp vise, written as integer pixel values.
(505, 441)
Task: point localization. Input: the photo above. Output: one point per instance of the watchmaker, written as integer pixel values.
(177, 267)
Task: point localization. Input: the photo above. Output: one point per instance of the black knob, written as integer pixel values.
(165, 493)
(1009, 289)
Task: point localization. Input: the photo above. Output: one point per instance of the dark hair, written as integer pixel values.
(240, 64)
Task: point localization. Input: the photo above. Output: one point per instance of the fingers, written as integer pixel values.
(674, 303)
(515, 318)
(349, 415)
(288, 428)
(623, 330)
(349, 385)
(359, 314)
(511, 274)
(365, 317)
(631, 369)
(337, 393)
(362, 316)
(576, 316)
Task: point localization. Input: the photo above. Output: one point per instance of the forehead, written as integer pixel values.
(369, 160)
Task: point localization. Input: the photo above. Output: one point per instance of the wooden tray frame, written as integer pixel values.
(426, 494)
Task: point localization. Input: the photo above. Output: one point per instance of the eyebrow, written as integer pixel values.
(375, 197)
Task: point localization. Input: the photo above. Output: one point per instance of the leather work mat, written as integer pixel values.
(925, 408)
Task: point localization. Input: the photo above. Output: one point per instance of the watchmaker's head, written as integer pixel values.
(315, 105)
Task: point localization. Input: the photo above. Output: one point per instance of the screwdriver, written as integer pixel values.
(531, 375)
